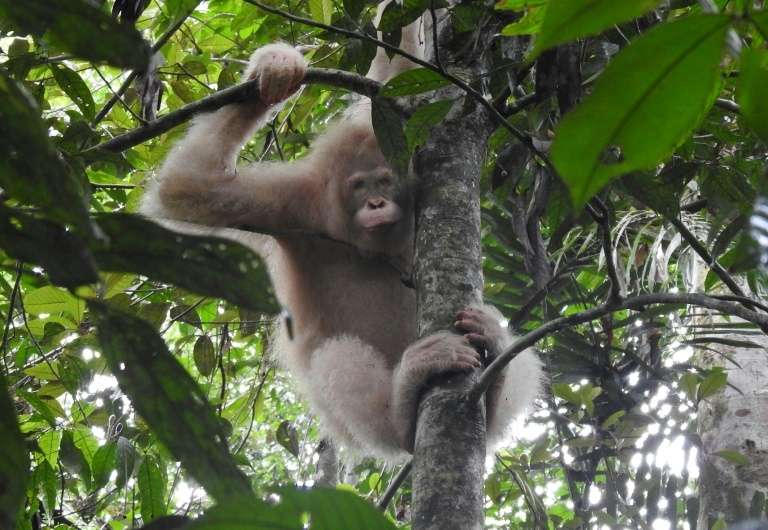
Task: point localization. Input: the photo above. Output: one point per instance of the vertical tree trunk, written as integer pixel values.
(736, 420)
(449, 455)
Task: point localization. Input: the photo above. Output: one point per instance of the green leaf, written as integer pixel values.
(753, 79)
(564, 391)
(14, 461)
(570, 19)
(413, 81)
(613, 419)
(328, 509)
(689, 383)
(49, 443)
(388, 125)
(79, 27)
(420, 124)
(73, 86)
(354, 8)
(53, 300)
(518, 5)
(62, 254)
(208, 265)
(30, 168)
(168, 399)
(287, 437)
(104, 462)
(712, 384)
(151, 489)
(734, 457)
(204, 355)
(395, 15)
(664, 82)
(321, 10)
(529, 24)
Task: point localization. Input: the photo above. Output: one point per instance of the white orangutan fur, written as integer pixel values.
(354, 353)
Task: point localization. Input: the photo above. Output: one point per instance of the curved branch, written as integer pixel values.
(521, 136)
(242, 92)
(635, 302)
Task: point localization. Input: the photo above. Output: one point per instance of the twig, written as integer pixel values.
(247, 91)
(393, 486)
(635, 302)
(9, 318)
(165, 37)
(704, 254)
(610, 258)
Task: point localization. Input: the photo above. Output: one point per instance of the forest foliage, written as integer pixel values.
(135, 384)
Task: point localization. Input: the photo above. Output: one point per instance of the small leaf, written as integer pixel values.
(397, 15)
(663, 82)
(566, 20)
(204, 355)
(733, 457)
(613, 419)
(529, 24)
(104, 462)
(712, 384)
(49, 443)
(564, 391)
(14, 461)
(74, 87)
(421, 122)
(287, 437)
(187, 314)
(753, 78)
(151, 489)
(689, 383)
(388, 125)
(413, 81)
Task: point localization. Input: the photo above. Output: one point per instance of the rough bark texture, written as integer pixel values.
(735, 420)
(449, 456)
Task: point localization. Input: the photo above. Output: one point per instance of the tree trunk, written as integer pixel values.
(735, 419)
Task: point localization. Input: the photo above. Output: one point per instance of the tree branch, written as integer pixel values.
(393, 486)
(165, 37)
(636, 302)
(242, 92)
(524, 138)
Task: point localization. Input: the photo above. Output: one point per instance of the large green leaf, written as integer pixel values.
(62, 254)
(397, 14)
(30, 168)
(207, 265)
(328, 509)
(14, 462)
(77, 26)
(644, 105)
(169, 400)
(753, 81)
(566, 20)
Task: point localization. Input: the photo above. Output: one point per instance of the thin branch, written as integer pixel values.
(610, 259)
(524, 138)
(248, 91)
(704, 254)
(393, 486)
(165, 37)
(636, 302)
(9, 318)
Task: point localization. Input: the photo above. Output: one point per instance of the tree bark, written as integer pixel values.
(735, 420)
(449, 452)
